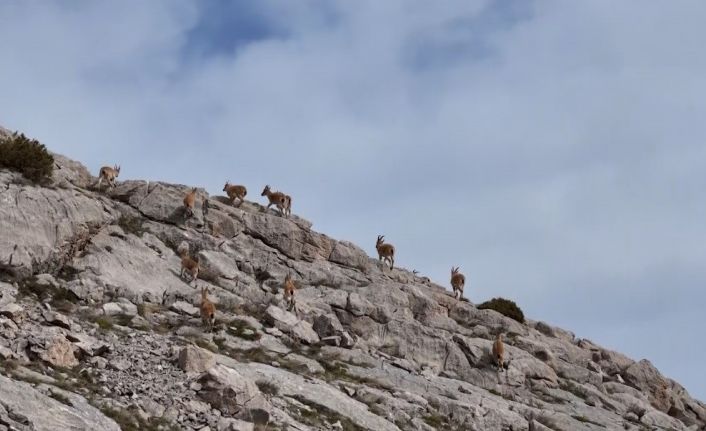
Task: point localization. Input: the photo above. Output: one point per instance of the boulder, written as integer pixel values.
(60, 353)
(88, 345)
(61, 221)
(304, 332)
(349, 254)
(290, 324)
(120, 309)
(304, 363)
(57, 319)
(24, 407)
(185, 308)
(70, 172)
(327, 325)
(234, 394)
(12, 310)
(193, 359)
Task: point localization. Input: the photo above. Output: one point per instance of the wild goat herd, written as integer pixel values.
(283, 202)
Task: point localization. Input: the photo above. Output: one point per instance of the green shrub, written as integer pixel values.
(131, 224)
(241, 329)
(61, 299)
(504, 307)
(267, 388)
(61, 398)
(129, 421)
(27, 156)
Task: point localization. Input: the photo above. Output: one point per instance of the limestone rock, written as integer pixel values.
(327, 325)
(60, 353)
(12, 310)
(120, 308)
(195, 360)
(69, 172)
(87, 344)
(184, 308)
(304, 332)
(302, 362)
(234, 394)
(57, 319)
(30, 409)
(348, 254)
(288, 323)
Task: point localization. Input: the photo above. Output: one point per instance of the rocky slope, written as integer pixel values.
(99, 332)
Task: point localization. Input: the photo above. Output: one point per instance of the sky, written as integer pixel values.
(552, 150)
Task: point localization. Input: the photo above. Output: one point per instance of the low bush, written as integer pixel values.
(27, 156)
(267, 388)
(131, 224)
(505, 307)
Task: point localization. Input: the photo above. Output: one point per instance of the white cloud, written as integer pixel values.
(553, 150)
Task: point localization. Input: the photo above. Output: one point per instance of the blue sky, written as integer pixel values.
(553, 150)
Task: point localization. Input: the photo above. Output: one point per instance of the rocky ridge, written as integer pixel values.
(98, 331)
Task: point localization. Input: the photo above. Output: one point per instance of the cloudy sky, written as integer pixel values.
(554, 150)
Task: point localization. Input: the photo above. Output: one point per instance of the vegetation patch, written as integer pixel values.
(336, 370)
(108, 323)
(267, 388)
(28, 157)
(8, 365)
(241, 329)
(75, 380)
(505, 307)
(146, 309)
(434, 420)
(339, 371)
(205, 344)
(67, 273)
(551, 399)
(104, 322)
(61, 398)
(60, 299)
(11, 368)
(573, 388)
(129, 421)
(165, 327)
(257, 354)
(322, 417)
(131, 224)
(441, 423)
(584, 419)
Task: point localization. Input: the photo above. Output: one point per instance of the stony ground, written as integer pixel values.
(99, 332)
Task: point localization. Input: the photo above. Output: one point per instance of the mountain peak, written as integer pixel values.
(96, 318)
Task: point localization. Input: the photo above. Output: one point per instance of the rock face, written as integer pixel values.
(234, 395)
(195, 360)
(23, 407)
(92, 307)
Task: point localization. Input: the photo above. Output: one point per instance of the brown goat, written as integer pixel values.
(208, 310)
(458, 281)
(386, 252)
(109, 175)
(278, 199)
(189, 202)
(289, 290)
(235, 191)
(288, 205)
(189, 265)
(499, 352)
